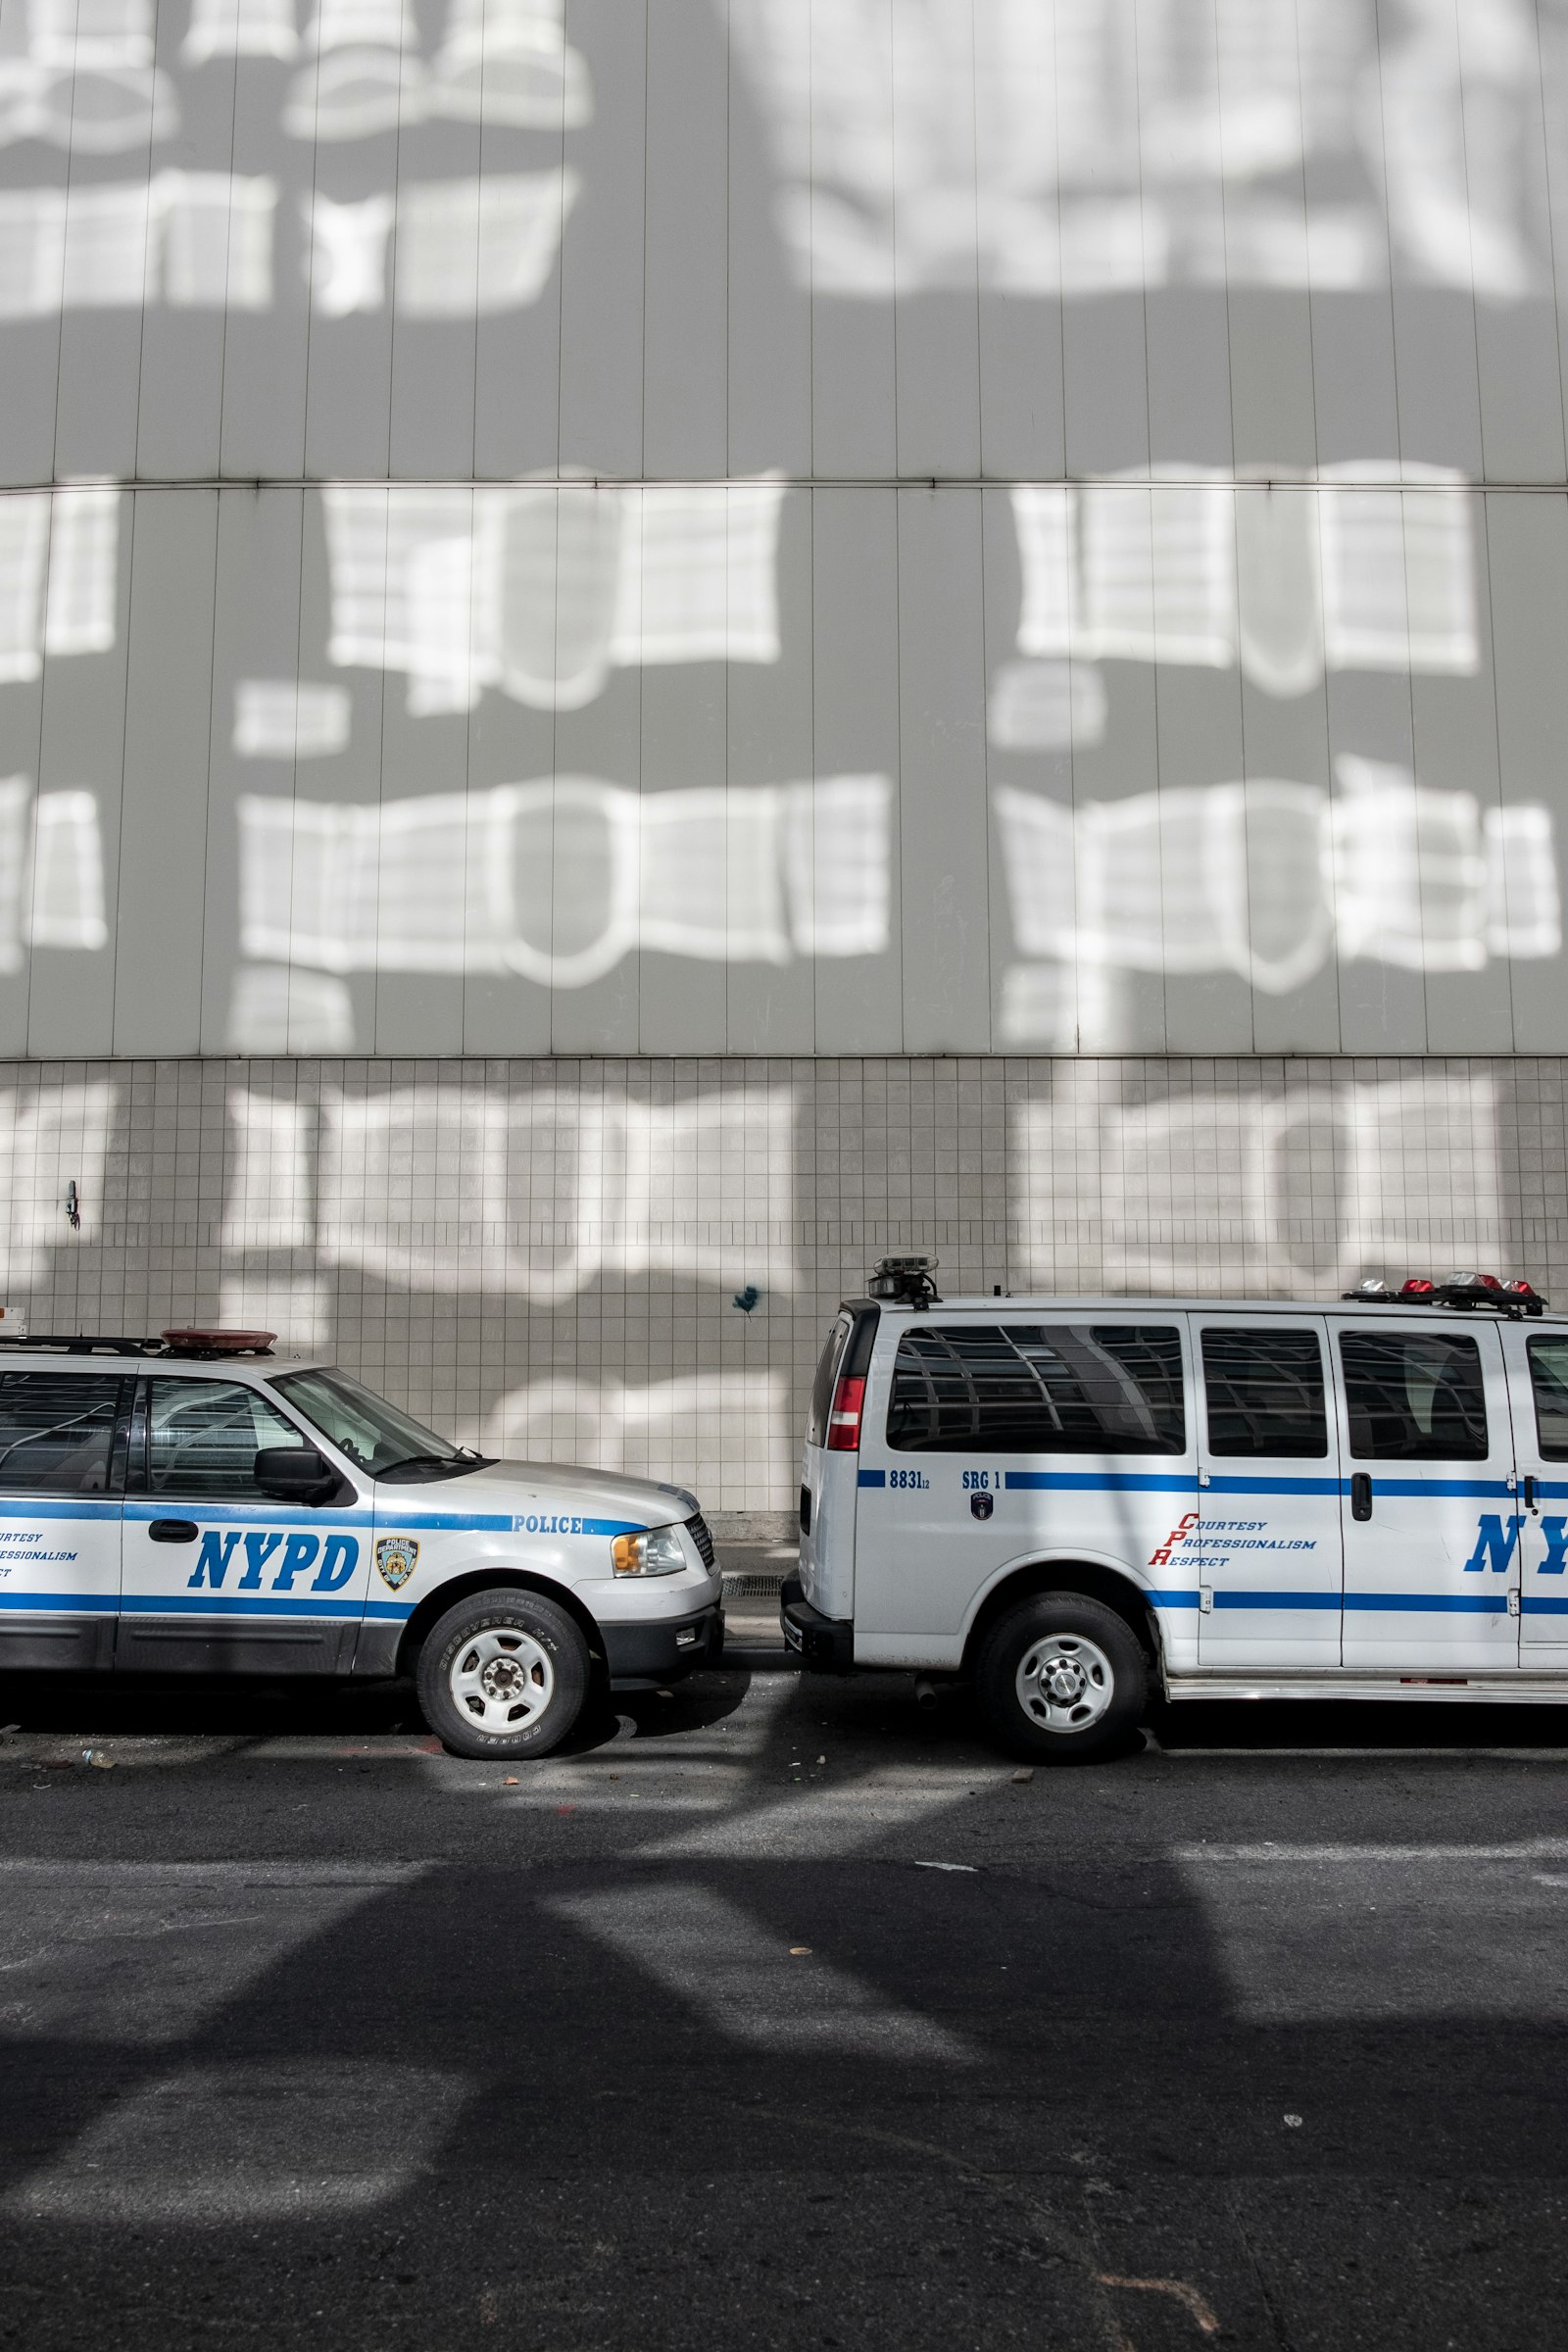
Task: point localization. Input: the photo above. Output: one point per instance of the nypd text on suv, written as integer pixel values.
(1071, 1500)
(196, 1503)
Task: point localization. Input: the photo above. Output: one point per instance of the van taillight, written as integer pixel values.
(844, 1421)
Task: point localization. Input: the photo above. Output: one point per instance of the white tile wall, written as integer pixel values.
(558, 1245)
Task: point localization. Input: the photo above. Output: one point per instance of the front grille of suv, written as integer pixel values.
(697, 1529)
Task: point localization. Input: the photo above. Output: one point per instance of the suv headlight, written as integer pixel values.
(656, 1552)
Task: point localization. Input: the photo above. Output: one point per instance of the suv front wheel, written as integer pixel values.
(1061, 1679)
(502, 1674)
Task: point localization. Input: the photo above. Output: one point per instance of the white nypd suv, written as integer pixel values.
(1068, 1501)
(196, 1503)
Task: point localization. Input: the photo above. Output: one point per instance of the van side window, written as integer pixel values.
(1414, 1396)
(822, 1385)
(1549, 1378)
(1265, 1394)
(1032, 1387)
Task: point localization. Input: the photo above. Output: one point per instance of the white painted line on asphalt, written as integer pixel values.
(248, 1874)
(290, 2142)
(746, 1983)
(1528, 1849)
(1456, 1753)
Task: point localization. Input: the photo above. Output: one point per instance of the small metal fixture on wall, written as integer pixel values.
(73, 1206)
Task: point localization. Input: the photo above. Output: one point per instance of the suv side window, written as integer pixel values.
(1414, 1396)
(57, 1433)
(1265, 1394)
(203, 1437)
(1038, 1388)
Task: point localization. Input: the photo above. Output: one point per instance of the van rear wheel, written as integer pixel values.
(504, 1673)
(1061, 1679)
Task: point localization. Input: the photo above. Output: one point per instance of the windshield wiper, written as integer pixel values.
(413, 1466)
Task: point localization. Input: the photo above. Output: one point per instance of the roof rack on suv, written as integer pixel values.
(1514, 1298)
(168, 1342)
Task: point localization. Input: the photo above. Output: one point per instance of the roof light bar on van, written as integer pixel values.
(1463, 1289)
(844, 1420)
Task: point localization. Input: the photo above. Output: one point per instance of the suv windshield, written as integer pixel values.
(376, 1436)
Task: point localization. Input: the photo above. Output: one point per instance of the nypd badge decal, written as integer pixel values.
(396, 1559)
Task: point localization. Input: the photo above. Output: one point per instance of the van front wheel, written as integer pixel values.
(1061, 1679)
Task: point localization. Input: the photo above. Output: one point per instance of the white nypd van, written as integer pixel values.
(1070, 1499)
(195, 1503)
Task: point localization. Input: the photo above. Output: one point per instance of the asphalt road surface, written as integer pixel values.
(778, 2012)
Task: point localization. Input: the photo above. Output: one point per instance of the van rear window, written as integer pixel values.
(822, 1385)
(1038, 1388)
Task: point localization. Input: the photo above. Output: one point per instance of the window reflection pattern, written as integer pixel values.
(1037, 1389)
(1414, 1396)
(57, 1433)
(1548, 1380)
(375, 1436)
(1265, 1394)
(203, 1437)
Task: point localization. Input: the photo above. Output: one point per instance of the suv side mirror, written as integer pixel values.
(295, 1474)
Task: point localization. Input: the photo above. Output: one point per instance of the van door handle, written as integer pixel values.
(1361, 1495)
(173, 1531)
(1530, 1492)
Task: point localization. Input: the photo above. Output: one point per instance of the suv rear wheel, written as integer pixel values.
(1061, 1679)
(502, 1674)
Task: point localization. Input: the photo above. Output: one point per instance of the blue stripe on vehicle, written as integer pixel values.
(214, 1604)
(1275, 1601)
(508, 1523)
(397, 1609)
(1274, 1486)
(1544, 1608)
(195, 1506)
(79, 1604)
(873, 1478)
(1172, 1598)
(1447, 1604)
(1419, 1487)
(46, 1506)
(1100, 1482)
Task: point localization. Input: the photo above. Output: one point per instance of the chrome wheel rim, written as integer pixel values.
(500, 1679)
(1065, 1682)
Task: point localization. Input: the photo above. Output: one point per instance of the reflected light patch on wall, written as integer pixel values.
(276, 1010)
(289, 718)
(464, 247)
(240, 28)
(1269, 879)
(49, 1139)
(196, 240)
(1087, 148)
(1285, 582)
(87, 80)
(1195, 1189)
(58, 567)
(295, 1307)
(268, 1196)
(558, 881)
(535, 1198)
(541, 591)
(51, 872)
(502, 63)
(1046, 706)
(682, 1429)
